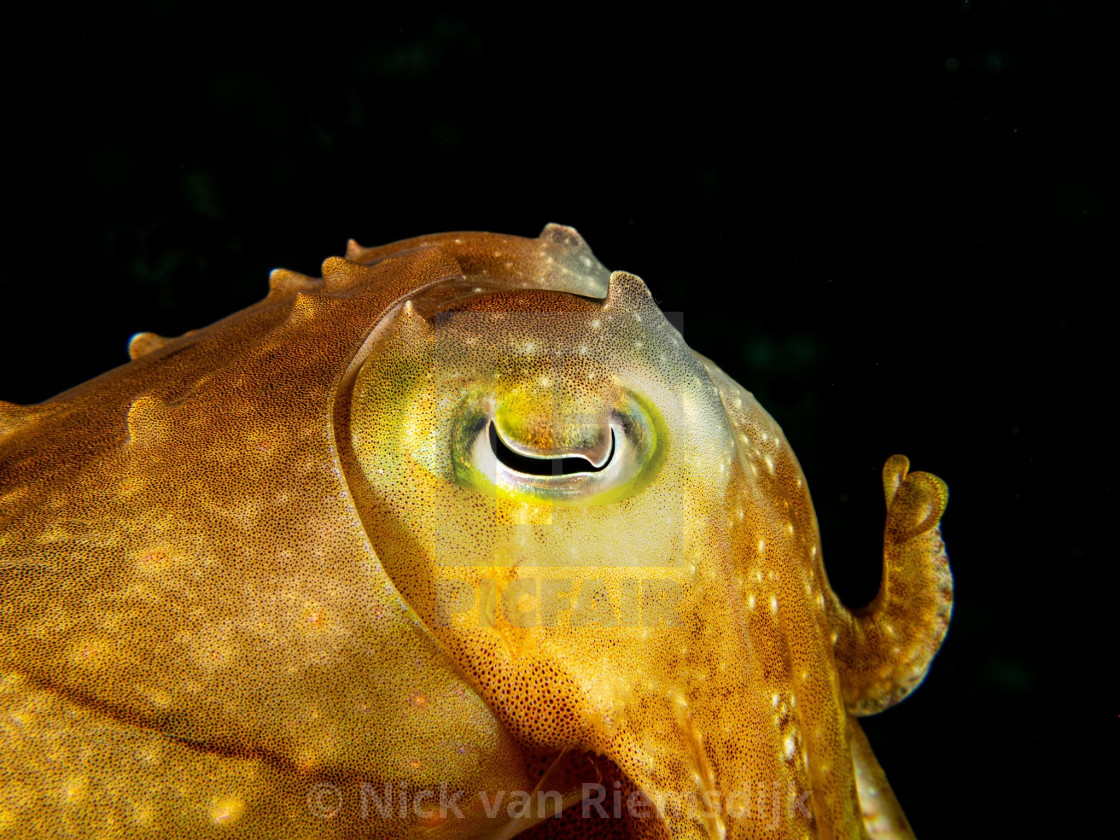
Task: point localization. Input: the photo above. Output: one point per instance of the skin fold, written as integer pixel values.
(458, 540)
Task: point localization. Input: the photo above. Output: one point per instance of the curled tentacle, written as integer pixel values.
(884, 650)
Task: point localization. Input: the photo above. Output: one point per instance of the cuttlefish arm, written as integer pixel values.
(882, 815)
(884, 650)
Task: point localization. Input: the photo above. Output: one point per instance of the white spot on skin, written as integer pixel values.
(596, 324)
(774, 604)
(790, 747)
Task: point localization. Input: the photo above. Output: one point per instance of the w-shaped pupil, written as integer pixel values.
(568, 465)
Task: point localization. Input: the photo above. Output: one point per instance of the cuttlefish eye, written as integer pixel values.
(556, 458)
(532, 463)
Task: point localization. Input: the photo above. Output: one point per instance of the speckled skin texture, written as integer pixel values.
(276, 577)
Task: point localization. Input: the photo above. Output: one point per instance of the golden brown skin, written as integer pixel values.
(459, 540)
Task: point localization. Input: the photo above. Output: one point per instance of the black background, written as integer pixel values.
(896, 227)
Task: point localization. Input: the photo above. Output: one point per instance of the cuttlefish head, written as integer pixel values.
(511, 407)
(598, 525)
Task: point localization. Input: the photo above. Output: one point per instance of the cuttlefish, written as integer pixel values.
(458, 540)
